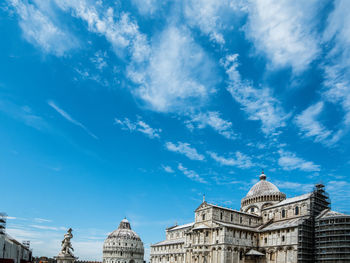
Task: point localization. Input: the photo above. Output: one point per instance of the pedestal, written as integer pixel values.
(65, 258)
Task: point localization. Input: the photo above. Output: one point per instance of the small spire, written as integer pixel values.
(203, 198)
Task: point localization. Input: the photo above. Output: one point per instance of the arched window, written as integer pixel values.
(250, 221)
(203, 217)
(231, 217)
(297, 210)
(240, 255)
(283, 213)
(221, 216)
(252, 209)
(241, 220)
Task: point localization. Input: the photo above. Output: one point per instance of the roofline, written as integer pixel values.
(158, 243)
(188, 225)
(279, 204)
(233, 210)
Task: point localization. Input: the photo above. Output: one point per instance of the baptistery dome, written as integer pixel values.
(123, 245)
(261, 195)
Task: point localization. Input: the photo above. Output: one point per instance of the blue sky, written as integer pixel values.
(115, 108)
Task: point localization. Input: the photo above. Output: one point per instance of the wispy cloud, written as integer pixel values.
(212, 119)
(284, 31)
(289, 161)
(168, 169)
(239, 160)
(185, 149)
(48, 227)
(339, 191)
(310, 126)
(65, 115)
(258, 103)
(210, 16)
(147, 7)
(139, 126)
(296, 186)
(191, 174)
(42, 220)
(178, 74)
(39, 28)
(120, 30)
(99, 60)
(24, 114)
(336, 66)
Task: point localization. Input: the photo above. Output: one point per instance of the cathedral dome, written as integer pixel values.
(123, 245)
(261, 195)
(263, 187)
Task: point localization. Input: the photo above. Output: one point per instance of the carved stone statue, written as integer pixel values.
(66, 244)
(66, 253)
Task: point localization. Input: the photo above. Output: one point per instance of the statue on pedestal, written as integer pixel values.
(66, 244)
(66, 254)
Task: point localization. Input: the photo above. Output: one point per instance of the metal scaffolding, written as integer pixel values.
(306, 236)
(332, 238)
(3, 218)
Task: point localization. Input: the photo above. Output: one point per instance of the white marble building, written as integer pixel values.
(268, 228)
(123, 245)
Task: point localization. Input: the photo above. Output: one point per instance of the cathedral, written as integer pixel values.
(268, 228)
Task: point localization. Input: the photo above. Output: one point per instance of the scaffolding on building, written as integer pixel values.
(319, 201)
(332, 237)
(3, 217)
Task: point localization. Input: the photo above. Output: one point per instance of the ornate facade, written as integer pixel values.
(123, 245)
(268, 228)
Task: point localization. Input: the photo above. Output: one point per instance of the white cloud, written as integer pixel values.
(147, 7)
(167, 169)
(289, 161)
(42, 220)
(65, 115)
(53, 228)
(24, 114)
(210, 16)
(240, 160)
(139, 126)
(99, 59)
(258, 103)
(213, 120)
(191, 174)
(39, 29)
(284, 31)
(311, 127)
(301, 187)
(336, 66)
(185, 149)
(178, 74)
(119, 29)
(339, 191)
